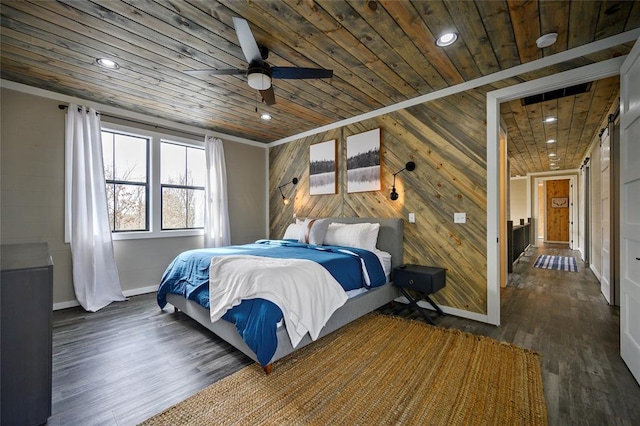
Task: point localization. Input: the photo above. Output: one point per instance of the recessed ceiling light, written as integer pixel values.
(265, 116)
(107, 63)
(551, 154)
(550, 119)
(551, 141)
(555, 168)
(546, 40)
(446, 39)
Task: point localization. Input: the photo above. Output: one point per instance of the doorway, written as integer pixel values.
(554, 209)
(581, 75)
(556, 203)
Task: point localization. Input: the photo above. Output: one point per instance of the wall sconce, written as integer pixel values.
(410, 166)
(285, 200)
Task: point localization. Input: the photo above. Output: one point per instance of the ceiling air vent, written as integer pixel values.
(555, 94)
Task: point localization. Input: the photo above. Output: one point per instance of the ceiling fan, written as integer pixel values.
(260, 73)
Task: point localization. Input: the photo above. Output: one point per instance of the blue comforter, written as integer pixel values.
(256, 319)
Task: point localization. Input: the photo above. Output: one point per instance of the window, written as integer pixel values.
(182, 177)
(155, 183)
(126, 172)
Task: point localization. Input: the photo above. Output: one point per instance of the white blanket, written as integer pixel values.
(304, 290)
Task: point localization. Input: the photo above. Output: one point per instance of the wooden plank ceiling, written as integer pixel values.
(382, 52)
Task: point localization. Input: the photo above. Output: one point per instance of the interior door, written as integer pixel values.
(629, 211)
(557, 206)
(586, 201)
(605, 209)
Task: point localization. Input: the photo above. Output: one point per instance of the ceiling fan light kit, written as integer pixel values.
(258, 80)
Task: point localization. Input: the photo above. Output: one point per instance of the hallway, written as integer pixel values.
(563, 316)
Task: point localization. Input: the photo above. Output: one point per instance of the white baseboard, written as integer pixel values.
(65, 305)
(449, 310)
(141, 290)
(127, 293)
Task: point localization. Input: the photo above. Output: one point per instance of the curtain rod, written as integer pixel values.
(61, 106)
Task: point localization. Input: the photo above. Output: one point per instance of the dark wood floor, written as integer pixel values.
(132, 360)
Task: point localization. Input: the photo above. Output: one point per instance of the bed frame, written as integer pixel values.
(390, 239)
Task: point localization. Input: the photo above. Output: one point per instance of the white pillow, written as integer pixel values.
(313, 231)
(370, 238)
(293, 232)
(360, 235)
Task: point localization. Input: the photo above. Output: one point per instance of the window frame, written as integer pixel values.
(146, 185)
(154, 193)
(176, 186)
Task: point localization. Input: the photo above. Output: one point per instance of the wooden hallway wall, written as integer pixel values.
(446, 138)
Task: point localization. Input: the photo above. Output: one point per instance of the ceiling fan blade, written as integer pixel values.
(268, 96)
(247, 40)
(293, 73)
(215, 72)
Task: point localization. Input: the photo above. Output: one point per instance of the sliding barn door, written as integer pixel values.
(605, 211)
(629, 211)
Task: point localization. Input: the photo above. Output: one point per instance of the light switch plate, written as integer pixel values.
(459, 218)
(412, 218)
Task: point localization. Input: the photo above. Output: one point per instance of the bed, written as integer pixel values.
(389, 240)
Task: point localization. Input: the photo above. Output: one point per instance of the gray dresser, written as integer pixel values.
(26, 302)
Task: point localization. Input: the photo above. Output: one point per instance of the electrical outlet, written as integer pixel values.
(412, 218)
(459, 218)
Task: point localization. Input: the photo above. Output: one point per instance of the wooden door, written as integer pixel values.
(557, 205)
(629, 211)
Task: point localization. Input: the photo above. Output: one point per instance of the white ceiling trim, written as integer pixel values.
(567, 55)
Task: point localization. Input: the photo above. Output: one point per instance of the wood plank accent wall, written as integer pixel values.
(446, 138)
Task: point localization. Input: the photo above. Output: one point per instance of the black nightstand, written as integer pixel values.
(424, 280)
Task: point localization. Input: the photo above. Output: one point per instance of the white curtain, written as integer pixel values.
(95, 275)
(216, 210)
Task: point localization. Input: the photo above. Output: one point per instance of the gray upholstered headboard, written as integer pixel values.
(390, 237)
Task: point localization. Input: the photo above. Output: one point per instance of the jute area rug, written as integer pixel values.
(379, 370)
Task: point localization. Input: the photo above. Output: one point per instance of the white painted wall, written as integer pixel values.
(518, 198)
(32, 196)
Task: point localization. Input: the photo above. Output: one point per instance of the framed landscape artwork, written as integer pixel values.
(363, 161)
(322, 168)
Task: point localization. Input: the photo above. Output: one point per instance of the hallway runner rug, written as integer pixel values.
(379, 370)
(559, 263)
